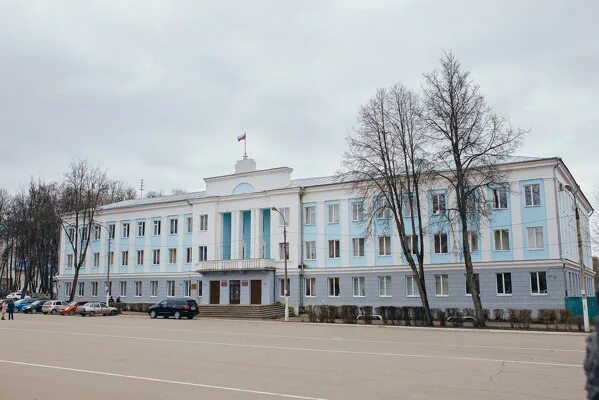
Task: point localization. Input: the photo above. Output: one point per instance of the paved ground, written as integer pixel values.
(134, 357)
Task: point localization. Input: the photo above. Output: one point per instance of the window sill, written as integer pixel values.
(536, 249)
(539, 294)
(413, 295)
(502, 251)
(309, 297)
(386, 296)
(532, 206)
(503, 294)
(384, 255)
(333, 297)
(443, 295)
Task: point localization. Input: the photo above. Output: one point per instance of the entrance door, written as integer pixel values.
(256, 291)
(234, 292)
(214, 292)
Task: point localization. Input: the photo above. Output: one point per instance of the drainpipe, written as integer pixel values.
(559, 229)
(301, 242)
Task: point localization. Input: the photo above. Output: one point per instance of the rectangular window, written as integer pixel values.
(411, 286)
(157, 227)
(187, 289)
(334, 250)
(94, 289)
(111, 231)
(202, 253)
(502, 239)
(140, 257)
(67, 289)
(311, 250)
(310, 287)
(84, 233)
(123, 289)
(125, 229)
(384, 286)
(439, 206)
(96, 262)
(71, 234)
(357, 211)
(111, 258)
(441, 285)
(204, 222)
(499, 198)
(473, 241)
(170, 288)
(124, 258)
(141, 228)
(137, 288)
(189, 225)
(156, 256)
(174, 226)
(504, 283)
(97, 232)
(172, 256)
(412, 244)
(188, 255)
(535, 238)
(408, 206)
(283, 251)
(384, 245)
(468, 288)
(109, 286)
(282, 287)
(81, 289)
(440, 243)
(358, 247)
(310, 215)
(153, 288)
(383, 211)
(285, 212)
(199, 288)
(532, 195)
(538, 282)
(359, 287)
(69, 261)
(333, 213)
(334, 287)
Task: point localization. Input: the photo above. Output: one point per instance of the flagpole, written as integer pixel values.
(245, 144)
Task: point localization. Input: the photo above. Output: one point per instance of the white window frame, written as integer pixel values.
(153, 288)
(438, 240)
(124, 258)
(310, 249)
(503, 280)
(476, 278)
(125, 230)
(81, 289)
(335, 250)
(413, 243)
(188, 255)
(499, 196)
(157, 225)
(535, 275)
(173, 226)
(138, 288)
(123, 288)
(310, 215)
(537, 233)
(94, 289)
(285, 212)
(172, 255)
(186, 288)
(111, 258)
(333, 213)
(170, 289)
(96, 260)
(156, 257)
(188, 224)
(111, 231)
(97, 232)
(70, 259)
(357, 211)
(202, 253)
(359, 286)
(529, 200)
(384, 246)
(200, 289)
(283, 250)
(67, 288)
(411, 286)
(334, 288)
(385, 286)
(473, 239)
(499, 233)
(140, 257)
(439, 203)
(203, 222)
(310, 287)
(141, 228)
(405, 205)
(442, 285)
(358, 246)
(383, 211)
(282, 286)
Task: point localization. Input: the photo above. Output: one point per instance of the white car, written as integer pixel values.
(15, 296)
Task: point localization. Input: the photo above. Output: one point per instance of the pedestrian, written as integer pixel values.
(3, 306)
(10, 308)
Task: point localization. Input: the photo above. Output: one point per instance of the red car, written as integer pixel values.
(70, 308)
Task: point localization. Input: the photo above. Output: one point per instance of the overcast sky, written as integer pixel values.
(161, 90)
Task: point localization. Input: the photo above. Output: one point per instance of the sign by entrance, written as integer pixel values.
(224, 283)
(245, 283)
(194, 286)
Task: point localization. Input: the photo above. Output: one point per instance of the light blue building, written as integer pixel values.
(224, 245)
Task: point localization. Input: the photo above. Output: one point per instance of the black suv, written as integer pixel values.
(177, 308)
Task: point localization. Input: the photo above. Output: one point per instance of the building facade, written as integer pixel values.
(225, 245)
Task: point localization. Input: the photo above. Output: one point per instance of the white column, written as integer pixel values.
(256, 233)
(321, 239)
(344, 239)
(236, 227)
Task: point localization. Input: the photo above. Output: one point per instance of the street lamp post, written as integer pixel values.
(583, 283)
(285, 255)
(108, 261)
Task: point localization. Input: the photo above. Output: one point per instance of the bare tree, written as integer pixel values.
(470, 142)
(83, 192)
(595, 227)
(384, 164)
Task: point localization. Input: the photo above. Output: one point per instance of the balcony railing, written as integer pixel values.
(252, 264)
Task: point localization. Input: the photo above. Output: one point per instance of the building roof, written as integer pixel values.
(154, 200)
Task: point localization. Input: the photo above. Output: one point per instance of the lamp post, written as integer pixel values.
(285, 256)
(583, 283)
(108, 262)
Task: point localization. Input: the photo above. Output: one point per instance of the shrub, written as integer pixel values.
(366, 312)
(332, 312)
(440, 316)
(468, 312)
(498, 314)
(486, 314)
(349, 314)
(383, 312)
(565, 317)
(525, 316)
(393, 314)
(418, 313)
(322, 312)
(454, 315)
(548, 316)
(407, 315)
(512, 316)
(580, 323)
(312, 314)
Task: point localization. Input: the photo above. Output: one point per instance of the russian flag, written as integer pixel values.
(241, 137)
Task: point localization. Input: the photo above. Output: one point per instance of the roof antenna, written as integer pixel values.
(141, 188)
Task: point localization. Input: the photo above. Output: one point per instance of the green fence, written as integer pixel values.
(574, 304)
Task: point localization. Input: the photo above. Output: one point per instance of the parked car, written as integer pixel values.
(71, 308)
(19, 304)
(51, 306)
(177, 308)
(34, 307)
(14, 296)
(95, 308)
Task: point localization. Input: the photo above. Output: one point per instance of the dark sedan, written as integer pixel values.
(33, 308)
(176, 308)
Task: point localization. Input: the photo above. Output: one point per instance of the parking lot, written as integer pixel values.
(133, 357)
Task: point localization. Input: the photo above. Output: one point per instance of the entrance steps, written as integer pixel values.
(266, 311)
